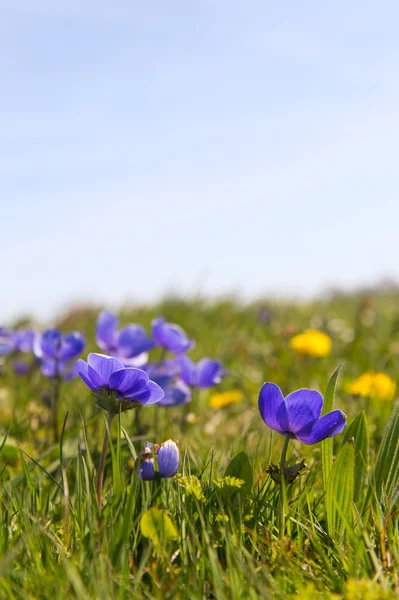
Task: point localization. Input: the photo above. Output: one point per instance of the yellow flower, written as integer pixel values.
(225, 398)
(373, 385)
(311, 342)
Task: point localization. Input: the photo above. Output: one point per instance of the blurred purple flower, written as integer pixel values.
(167, 457)
(21, 367)
(130, 345)
(56, 352)
(23, 340)
(6, 343)
(177, 393)
(170, 336)
(205, 374)
(165, 374)
(298, 415)
(116, 386)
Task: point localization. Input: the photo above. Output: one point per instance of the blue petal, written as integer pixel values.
(170, 336)
(128, 379)
(176, 394)
(325, 427)
(23, 340)
(5, 347)
(50, 343)
(188, 370)
(104, 366)
(147, 470)
(72, 344)
(272, 407)
(151, 394)
(303, 408)
(106, 331)
(209, 373)
(89, 375)
(132, 341)
(168, 459)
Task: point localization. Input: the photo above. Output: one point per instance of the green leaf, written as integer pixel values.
(340, 491)
(240, 468)
(386, 470)
(327, 444)
(157, 526)
(358, 432)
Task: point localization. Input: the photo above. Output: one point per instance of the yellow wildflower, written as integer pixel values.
(225, 398)
(311, 342)
(373, 385)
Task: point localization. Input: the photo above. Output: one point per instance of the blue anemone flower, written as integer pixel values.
(167, 458)
(115, 386)
(166, 375)
(205, 374)
(6, 342)
(170, 336)
(23, 340)
(298, 415)
(176, 393)
(56, 352)
(130, 344)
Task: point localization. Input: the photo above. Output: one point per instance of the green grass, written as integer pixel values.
(214, 531)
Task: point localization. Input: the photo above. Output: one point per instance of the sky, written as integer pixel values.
(205, 146)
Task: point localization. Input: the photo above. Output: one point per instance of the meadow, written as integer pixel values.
(227, 525)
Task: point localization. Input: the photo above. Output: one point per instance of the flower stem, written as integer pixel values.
(55, 401)
(283, 488)
(101, 464)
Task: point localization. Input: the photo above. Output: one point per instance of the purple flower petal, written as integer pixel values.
(132, 341)
(106, 331)
(104, 365)
(128, 379)
(89, 375)
(170, 336)
(272, 407)
(176, 394)
(147, 470)
(151, 394)
(139, 361)
(50, 343)
(168, 459)
(5, 347)
(209, 373)
(72, 344)
(188, 371)
(303, 408)
(23, 340)
(324, 427)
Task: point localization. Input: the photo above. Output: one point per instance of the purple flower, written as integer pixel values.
(116, 386)
(205, 374)
(177, 393)
(298, 415)
(21, 367)
(167, 458)
(56, 351)
(6, 343)
(131, 342)
(165, 374)
(24, 340)
(165, 369)
(170, 336)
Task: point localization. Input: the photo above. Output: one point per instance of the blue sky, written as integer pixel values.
(195, 146)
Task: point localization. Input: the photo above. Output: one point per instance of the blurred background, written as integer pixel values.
(195, 148)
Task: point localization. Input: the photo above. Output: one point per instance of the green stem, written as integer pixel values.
(55, 406)
(101, 464)
(283, 488)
